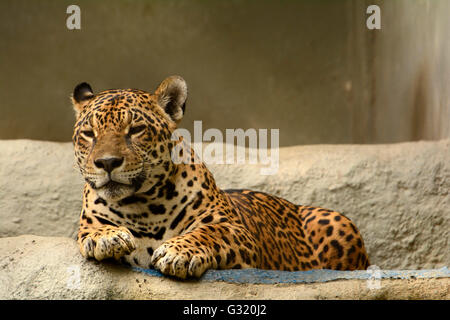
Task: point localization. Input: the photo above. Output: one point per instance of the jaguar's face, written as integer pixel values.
(122, 138)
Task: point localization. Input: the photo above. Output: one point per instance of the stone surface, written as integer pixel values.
(397, 194)
(41, 190)
(35, 267)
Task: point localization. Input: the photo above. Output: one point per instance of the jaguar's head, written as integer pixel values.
(122, 138)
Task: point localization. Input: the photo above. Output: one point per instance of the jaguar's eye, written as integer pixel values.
(88, 133)
(136, 129)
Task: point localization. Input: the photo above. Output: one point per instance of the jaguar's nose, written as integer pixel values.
(108, 164)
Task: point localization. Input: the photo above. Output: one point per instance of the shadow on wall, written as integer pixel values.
(310, 68)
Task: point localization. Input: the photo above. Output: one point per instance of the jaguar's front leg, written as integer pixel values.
(216, 246)
(102, 241)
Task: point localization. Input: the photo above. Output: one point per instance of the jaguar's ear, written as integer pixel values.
(81, 96)
(171, 95)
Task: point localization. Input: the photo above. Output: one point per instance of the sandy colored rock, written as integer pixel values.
(39, 187)
(35, 267)
(397, 194)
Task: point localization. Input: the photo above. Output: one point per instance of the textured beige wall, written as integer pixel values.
(310, 68)
(397, 194)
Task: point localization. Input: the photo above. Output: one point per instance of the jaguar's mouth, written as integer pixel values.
(115, 190)
(112, 185)
(111, 182)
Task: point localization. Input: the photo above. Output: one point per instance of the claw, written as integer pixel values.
(108, 243)
(157, 254)
(179, 263)
(88, 248)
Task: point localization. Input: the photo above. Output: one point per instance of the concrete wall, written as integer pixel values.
(310, 68)
(397, 195)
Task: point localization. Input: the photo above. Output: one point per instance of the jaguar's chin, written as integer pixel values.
(115, 191)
